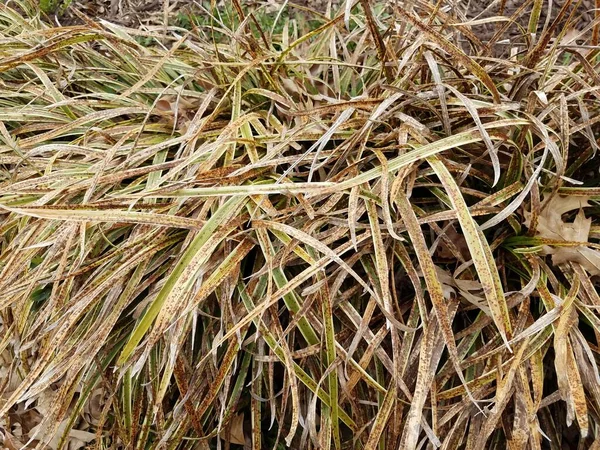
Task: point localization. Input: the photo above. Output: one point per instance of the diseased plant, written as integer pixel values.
(367, 230)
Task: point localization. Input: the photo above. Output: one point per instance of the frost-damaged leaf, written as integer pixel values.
(382, 52)
(171, 309)
(80, 303)
(382, 417)
(423, 152)
(308, 239)
(503, 393)
(577, 393)
(347, 12)
(470, 106)
(94, 117)
(191, 259)
(150, 74)
(323, 140)
(65, 41)
(352, 214)
(76, 214)
(430, 352)
(245, 190)
(479, 249)
(548, 33)
(291, 300)
(330, 345)
(380, 260)
(216, 117)
(518, 200)
(225, 367)
(434, 286)
(567, 373)
(449, 47)
(272, 298)
(441, 91)
(384, 185)
(273, 343)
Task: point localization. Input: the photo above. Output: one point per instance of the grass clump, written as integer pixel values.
(369, 232)
(51, 6)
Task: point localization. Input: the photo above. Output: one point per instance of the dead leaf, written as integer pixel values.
(469, 290)
(552, 226)
(77, 439)
(92, 411)
(177, 107)
(11, 442)
(458, 240)
(234, 431)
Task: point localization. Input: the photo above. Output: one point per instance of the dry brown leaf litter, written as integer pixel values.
(551, 225)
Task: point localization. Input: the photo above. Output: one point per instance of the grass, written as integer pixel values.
(369, 231)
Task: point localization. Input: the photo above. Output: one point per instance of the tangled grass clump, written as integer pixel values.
(362, 230)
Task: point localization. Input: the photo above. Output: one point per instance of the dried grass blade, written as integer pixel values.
(434, 286)
(191, 259)
(449, 47)
(479, 249)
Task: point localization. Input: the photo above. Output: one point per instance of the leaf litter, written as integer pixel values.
(551, 225)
